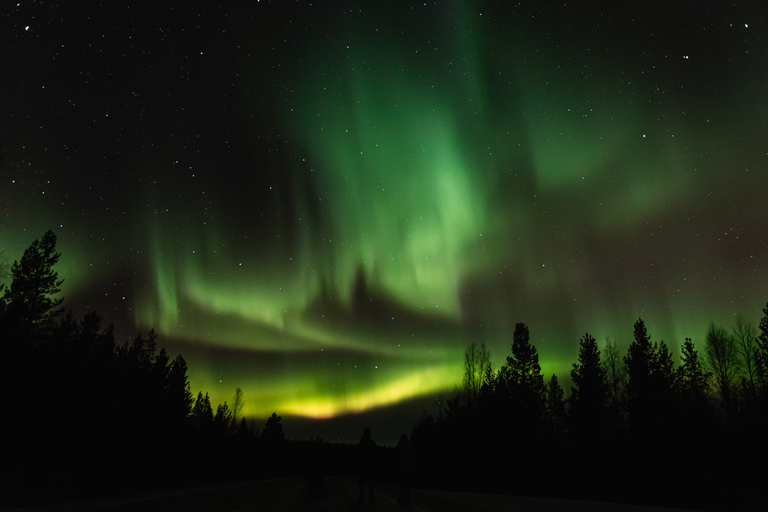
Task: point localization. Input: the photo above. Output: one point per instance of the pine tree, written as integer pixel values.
(590, 393)
(178, 395)
(156, 387)
(273, 429)
(202, 413)
(243, 430)
(639, 363)
(555, 415)
(526, 381)
(691, 377)
(522, 380)
(761, 359)
(222, 420)
(28, 308)
(663, 371)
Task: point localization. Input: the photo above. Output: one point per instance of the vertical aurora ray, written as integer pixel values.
(384, 220)
(404, 208)
(468, 192)
(325, 205)
(386, 207)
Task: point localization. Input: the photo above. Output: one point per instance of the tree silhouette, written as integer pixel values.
(178, 397)
(745, 338)
(477, 363)
(243, 429)
(27, 306)
(761, 358)
(273, 429)
(760, 418)
(590, 392)
(692, 379)
(117, 406)
(156, 384)
(202, 413)
(522, 373)
(222, 420)
(555, 414)
(616, 378)
(640, 364)
(664, 379)
(723, 363)
(651, 395)
(114, 405)
(521, 399)
(238, 402)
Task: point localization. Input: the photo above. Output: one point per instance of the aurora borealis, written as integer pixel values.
(323, 203)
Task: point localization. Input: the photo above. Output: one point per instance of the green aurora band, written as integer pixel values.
(428, 184)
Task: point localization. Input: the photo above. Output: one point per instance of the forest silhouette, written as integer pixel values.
(87, 416)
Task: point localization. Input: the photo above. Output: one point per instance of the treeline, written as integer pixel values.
(635, 427)
(86, 415)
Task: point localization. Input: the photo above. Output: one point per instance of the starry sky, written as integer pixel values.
(324, 202)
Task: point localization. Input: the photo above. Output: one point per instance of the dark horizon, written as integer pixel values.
(140, 426)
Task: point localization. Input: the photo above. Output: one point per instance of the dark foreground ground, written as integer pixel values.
(285, 495)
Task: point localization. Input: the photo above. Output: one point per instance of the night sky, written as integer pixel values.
(323, 203)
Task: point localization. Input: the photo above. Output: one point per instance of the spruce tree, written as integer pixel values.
(222, 420)
(555, 414)
(639, 363)
(761, 359)
(524, 382)
(178, 395)
(28, 308)
(273, 429)
(202, 413)
(590, 393)
(691, 376)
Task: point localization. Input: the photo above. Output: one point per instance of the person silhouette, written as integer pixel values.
(366, 465)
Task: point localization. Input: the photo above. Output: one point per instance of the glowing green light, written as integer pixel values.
(413, 384)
